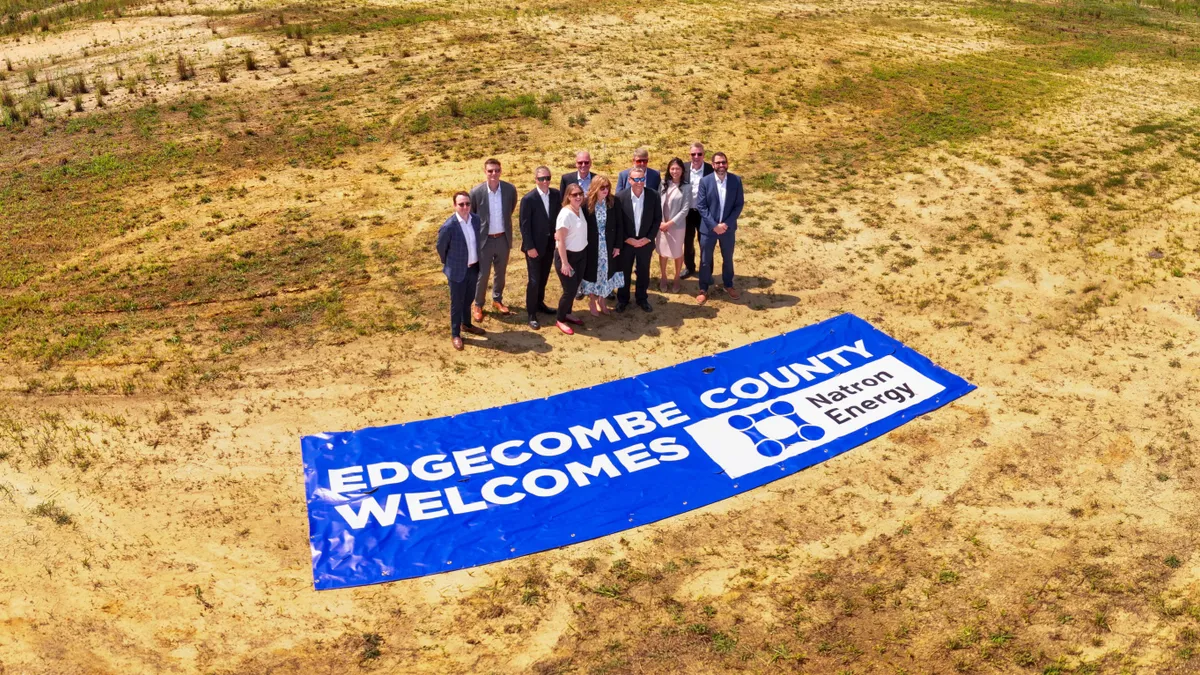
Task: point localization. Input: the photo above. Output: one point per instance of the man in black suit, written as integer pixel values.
(582, 173)
(641, 212)
(697, 169)
(538, 216)
(493, 201)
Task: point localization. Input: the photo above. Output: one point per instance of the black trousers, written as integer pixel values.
(689, 240)
(539, 274)
(635, 259)
(570, 285)
(462, 294)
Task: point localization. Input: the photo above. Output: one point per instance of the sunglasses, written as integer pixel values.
(640, 161)
(697, 154)
(463, 204)
(542, 178)
(638, 180)
(491, 171)
(576, 194)
(588, 163)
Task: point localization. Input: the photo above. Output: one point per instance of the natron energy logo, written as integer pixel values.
(766, 433)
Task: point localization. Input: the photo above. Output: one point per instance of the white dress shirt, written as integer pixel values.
(469, 233)
(696, 175)
(721, 193)
(545, 195)
(495, 212)
(637, 211)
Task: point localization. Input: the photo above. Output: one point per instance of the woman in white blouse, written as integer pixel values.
(676, 200)
(570, 241)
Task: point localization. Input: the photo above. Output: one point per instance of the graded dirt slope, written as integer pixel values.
(197, 273)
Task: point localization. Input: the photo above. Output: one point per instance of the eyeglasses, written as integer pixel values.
(638, 180)
(697, 154)
(542, 178)
(720, 163)
(640, 161)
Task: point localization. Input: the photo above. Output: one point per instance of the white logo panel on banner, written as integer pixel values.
(768, 432)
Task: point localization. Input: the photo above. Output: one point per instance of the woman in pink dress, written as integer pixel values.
(676, 200)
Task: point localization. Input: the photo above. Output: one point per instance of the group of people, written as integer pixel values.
(597, 238)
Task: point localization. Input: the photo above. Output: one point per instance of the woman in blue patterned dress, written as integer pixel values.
(605, 234)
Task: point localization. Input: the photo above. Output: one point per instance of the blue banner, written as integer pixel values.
(436, 495)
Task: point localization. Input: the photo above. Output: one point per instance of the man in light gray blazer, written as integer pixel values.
(493, 201)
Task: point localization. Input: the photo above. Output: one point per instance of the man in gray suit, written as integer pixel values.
(493, 201)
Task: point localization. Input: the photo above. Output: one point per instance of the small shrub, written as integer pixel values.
(99, 100)
(222, 71)
(308, 48)
(101, 86)
(6, 98)
(283, 59)
(53, 512)
(53, 90)
(78, 103)
(251, 64)
(31, 75)
(78, 84)
(184, 68)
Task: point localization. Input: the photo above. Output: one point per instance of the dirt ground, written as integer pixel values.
(197, 273)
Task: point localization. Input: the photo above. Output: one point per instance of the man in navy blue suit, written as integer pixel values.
(641, 158)
(458, 249)
(719, 200)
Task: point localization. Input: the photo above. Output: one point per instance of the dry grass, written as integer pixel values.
(216, 262)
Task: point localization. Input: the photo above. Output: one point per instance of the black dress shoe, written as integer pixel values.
(474, 330)
(533, 323)
(686, 274)
(621, 306)
(645, 305)
(546, 310)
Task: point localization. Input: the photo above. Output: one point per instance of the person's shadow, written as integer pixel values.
(509, 341)
(671, 310)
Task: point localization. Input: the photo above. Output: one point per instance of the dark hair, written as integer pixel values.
(454, 199)
(490, 161)
(715, 154)
(684, 178)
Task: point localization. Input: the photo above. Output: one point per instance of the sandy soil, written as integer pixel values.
(1046, 520)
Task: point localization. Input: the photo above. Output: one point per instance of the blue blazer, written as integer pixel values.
(653, 180)
(708, 202)
(452, 247)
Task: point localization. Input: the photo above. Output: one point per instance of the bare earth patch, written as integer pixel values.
(200, 272)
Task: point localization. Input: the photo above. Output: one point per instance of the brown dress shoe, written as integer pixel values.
(476, 312)
(501, 307)
(457, 342)
(733, 294)
(474, 330)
